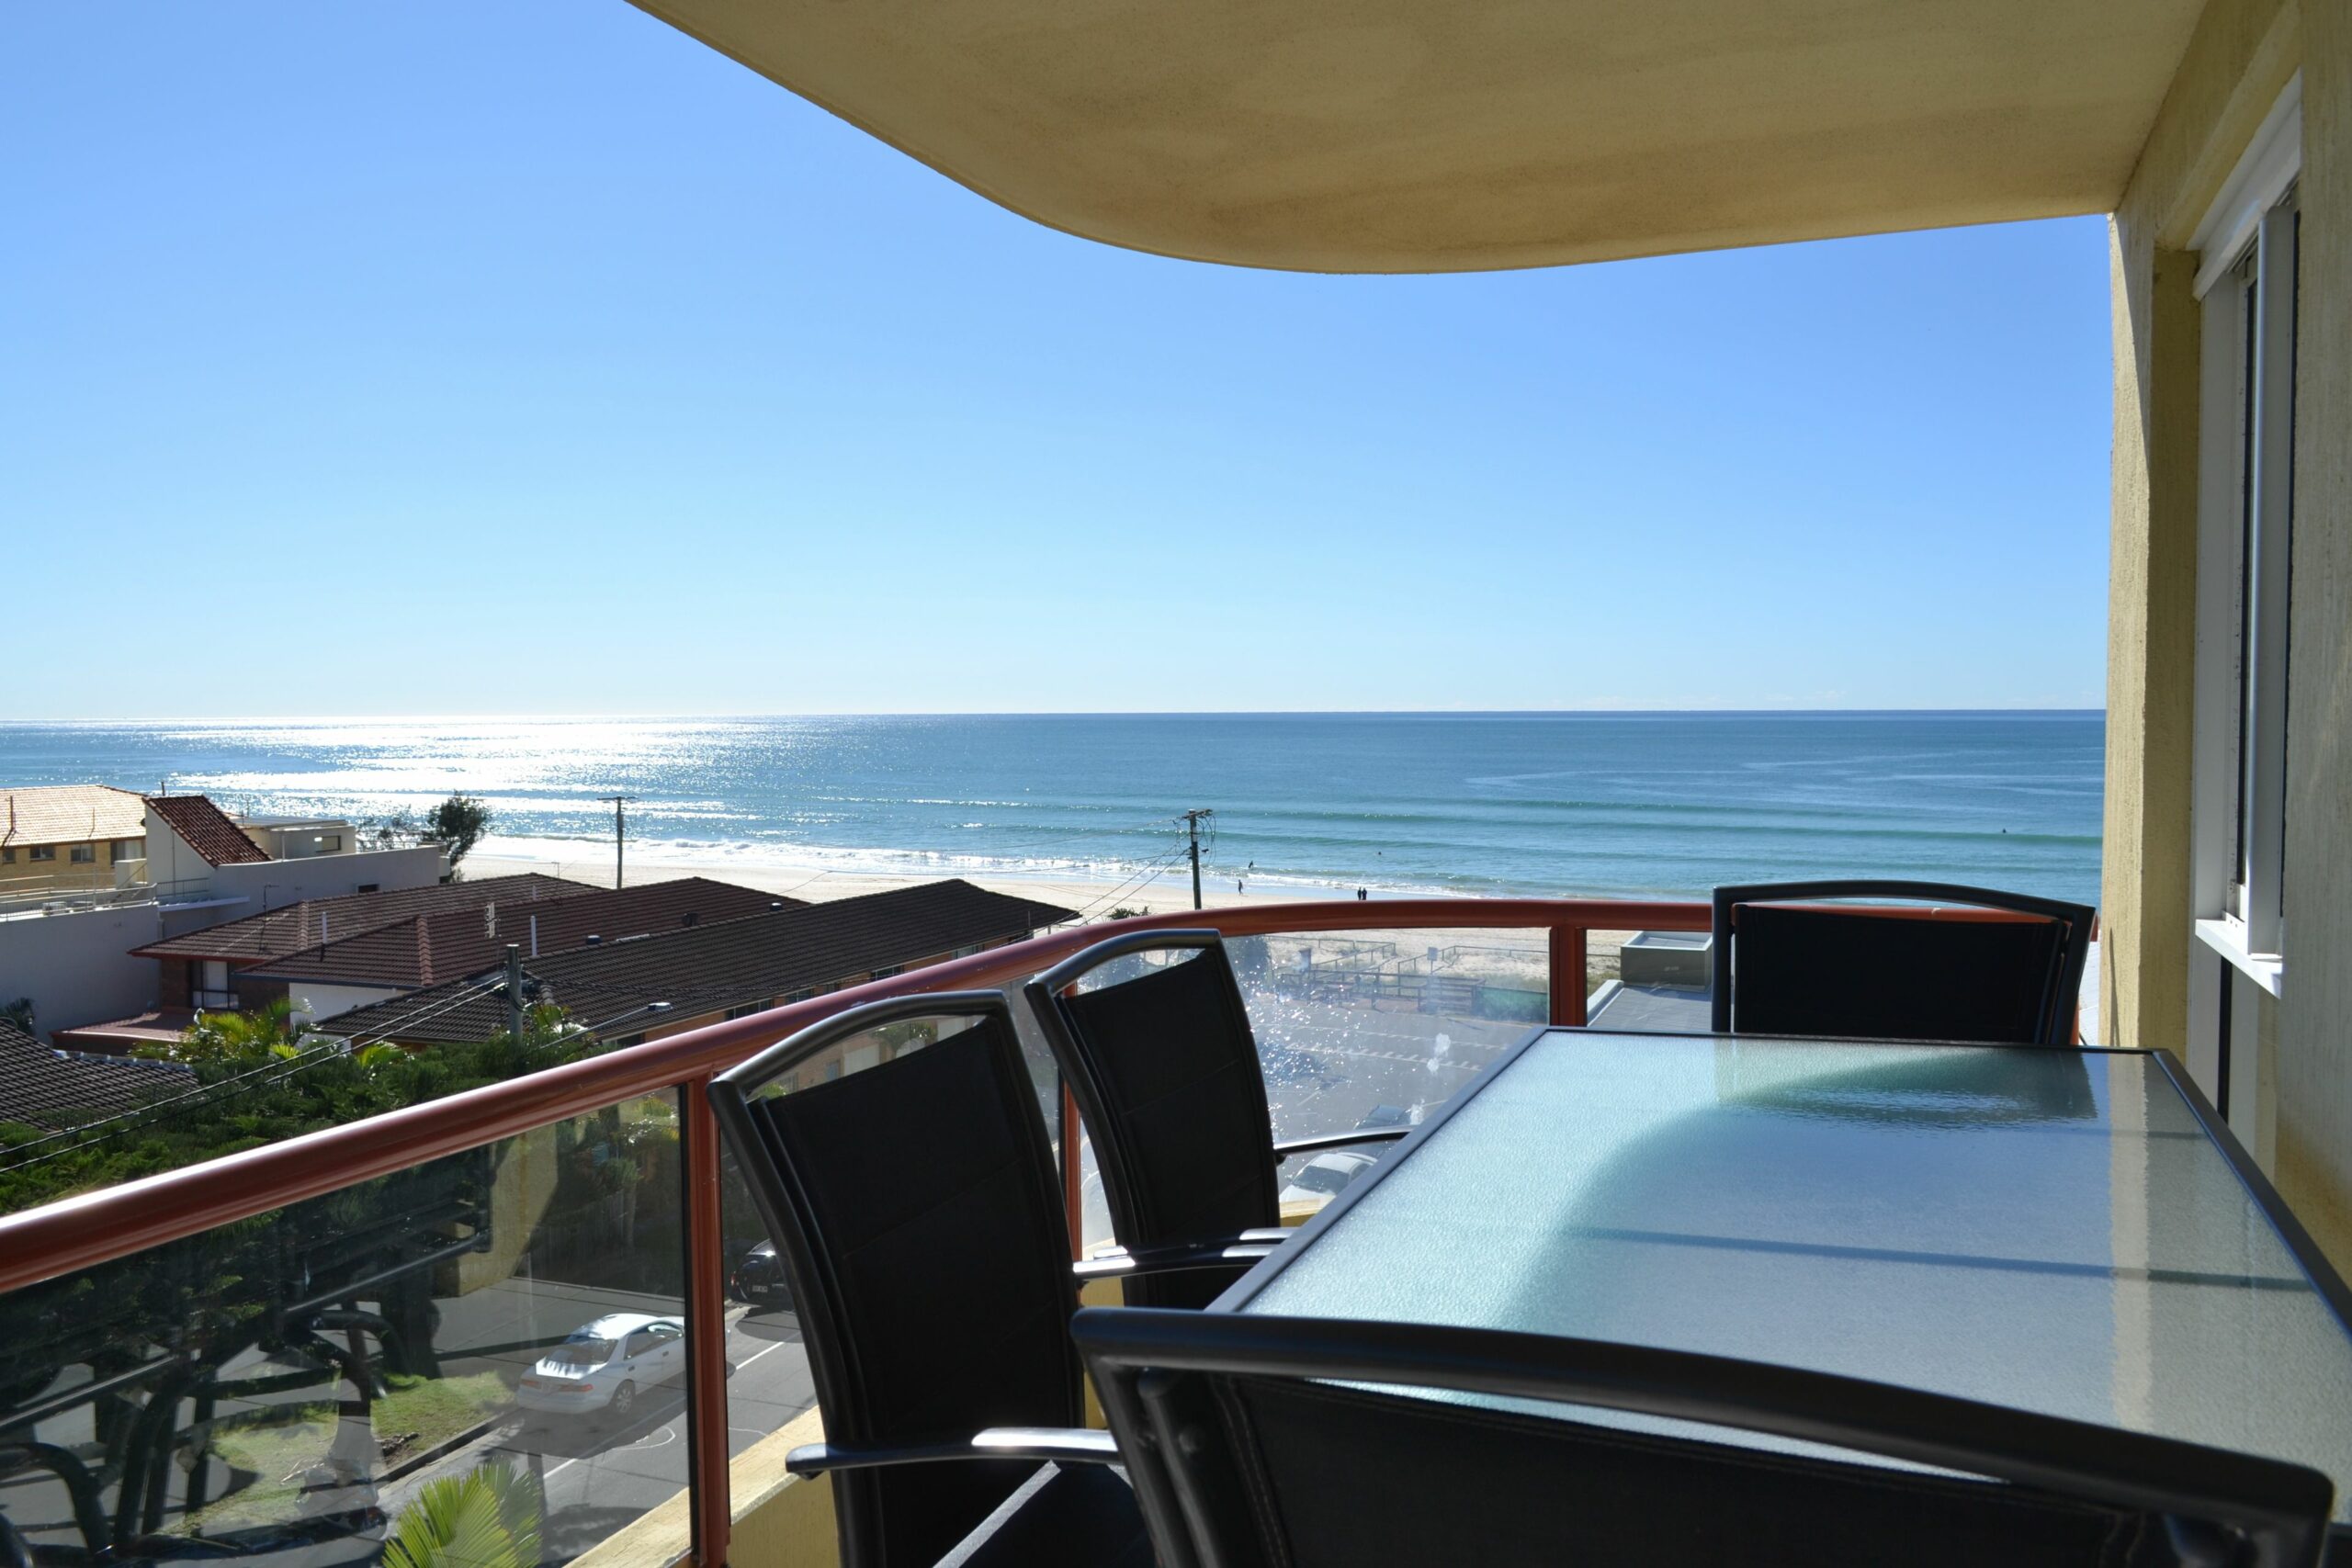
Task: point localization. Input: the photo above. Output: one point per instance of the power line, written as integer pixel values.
(424, 1012)
(1137, 882)
(144, 1111)
(275, 1071)
(154, 1110)
(1155, 823)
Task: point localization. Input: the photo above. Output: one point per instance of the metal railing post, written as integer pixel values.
(1567, 977)
(705, 1332)
(1073, 1179)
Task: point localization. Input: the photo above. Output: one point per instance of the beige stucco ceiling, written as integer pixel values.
(1443, 135)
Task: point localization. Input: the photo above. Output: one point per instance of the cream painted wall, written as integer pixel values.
(2313, 1095)
(2243, 55)
(2152, 603)
(172, 864)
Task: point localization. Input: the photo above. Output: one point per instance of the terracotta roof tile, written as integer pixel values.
(426, 949)
(70, 814)
(755, 960)
(259, 939)
(64, 1089)
(206, 828)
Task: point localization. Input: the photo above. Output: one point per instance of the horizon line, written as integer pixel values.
(586, 716)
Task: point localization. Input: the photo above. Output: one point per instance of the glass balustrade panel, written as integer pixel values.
(1370, 1030)
(486, 1351)
(1374, 1029)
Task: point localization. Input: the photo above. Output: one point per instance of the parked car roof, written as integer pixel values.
(620, 1325)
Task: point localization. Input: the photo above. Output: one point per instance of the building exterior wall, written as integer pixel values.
(301, 841)
(21, 875)
(317, 1002)
(2144, 895)
(57, 823)
(2313, 1089)
(172, 864)
(77, 965)
(273, 885)
(2243, 56)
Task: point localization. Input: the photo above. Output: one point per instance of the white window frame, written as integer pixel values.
(2246, 281)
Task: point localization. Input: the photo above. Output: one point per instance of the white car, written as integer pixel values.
(605, 1365)
(1320, 1179)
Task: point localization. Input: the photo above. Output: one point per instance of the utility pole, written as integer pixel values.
(619, 832)
(1192, 820)
(514, 990)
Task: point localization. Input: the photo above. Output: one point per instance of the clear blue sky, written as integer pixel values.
(532, 357)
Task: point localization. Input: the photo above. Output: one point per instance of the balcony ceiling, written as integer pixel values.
(1405, 136)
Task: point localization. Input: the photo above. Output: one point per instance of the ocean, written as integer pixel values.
(1534, 803)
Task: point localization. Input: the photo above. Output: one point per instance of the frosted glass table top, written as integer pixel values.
(2046, 1229)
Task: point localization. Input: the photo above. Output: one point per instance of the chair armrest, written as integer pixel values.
(1257, 1236)
(1283, 1150)
(1041, 1445)
(1124, 1265)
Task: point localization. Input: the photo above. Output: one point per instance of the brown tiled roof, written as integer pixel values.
(70, 814)
(751, 961)
(258, 938)
(65, 1089)
(206, 828)
(427, 949)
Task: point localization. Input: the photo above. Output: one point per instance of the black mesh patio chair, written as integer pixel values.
(914, 1207)
(1253, 1442)
(1849, 973)
(1166, 1074)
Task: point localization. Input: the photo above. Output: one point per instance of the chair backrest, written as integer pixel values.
(1165, 1071)
(1253, 1442)
(1780, 970)
(915, 1207)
